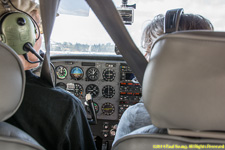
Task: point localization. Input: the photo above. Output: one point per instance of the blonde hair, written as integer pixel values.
(24, 5)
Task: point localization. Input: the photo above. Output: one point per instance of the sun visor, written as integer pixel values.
(72, 7)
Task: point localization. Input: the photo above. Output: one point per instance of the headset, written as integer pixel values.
(172, 20)
(18, 30)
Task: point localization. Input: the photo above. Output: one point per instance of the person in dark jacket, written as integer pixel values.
(52, 116)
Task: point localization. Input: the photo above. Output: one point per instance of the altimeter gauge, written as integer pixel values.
(92, 74)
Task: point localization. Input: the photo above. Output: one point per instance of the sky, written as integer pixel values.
(88, 30)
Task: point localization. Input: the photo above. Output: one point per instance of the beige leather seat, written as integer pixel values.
(184, 92)
(12, 84)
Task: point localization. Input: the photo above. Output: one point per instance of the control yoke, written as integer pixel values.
(89, 102)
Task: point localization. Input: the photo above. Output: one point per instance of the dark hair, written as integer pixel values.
(187, 22)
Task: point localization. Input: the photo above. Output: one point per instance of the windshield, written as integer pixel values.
(82, 34)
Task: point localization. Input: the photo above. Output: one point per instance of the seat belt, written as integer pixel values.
(112, 22)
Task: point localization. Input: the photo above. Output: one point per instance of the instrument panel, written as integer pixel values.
(108, 79)
(99, 78)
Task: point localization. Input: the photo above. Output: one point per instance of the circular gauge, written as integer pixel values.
(92, 74)
(92, 89)
(61, 72)
(108, 91)
(108, 109)
(61, 85)
(109, 74)
(78, 89)
(76, 73)
(95, 106)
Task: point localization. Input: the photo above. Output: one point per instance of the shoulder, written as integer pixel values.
(131, 114)
(135, 109)
(149, 129)
(39, 90)
(136, 116)
(64, 96)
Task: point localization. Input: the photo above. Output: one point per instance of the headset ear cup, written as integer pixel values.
(17, 33)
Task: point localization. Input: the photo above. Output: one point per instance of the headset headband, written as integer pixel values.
(172, 19)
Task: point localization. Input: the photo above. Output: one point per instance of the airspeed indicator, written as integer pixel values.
(61, 72)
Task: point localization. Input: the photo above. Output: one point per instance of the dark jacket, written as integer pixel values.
(53, 116)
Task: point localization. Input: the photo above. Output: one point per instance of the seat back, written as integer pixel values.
(184, 81)
(12, 85)
(165, 142)
(183, 90)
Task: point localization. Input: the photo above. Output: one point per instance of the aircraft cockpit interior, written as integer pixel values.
(95, 51)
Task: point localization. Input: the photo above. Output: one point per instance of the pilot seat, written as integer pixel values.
(12, 85)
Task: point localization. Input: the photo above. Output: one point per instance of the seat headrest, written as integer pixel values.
(184, 82)
(12, 82)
